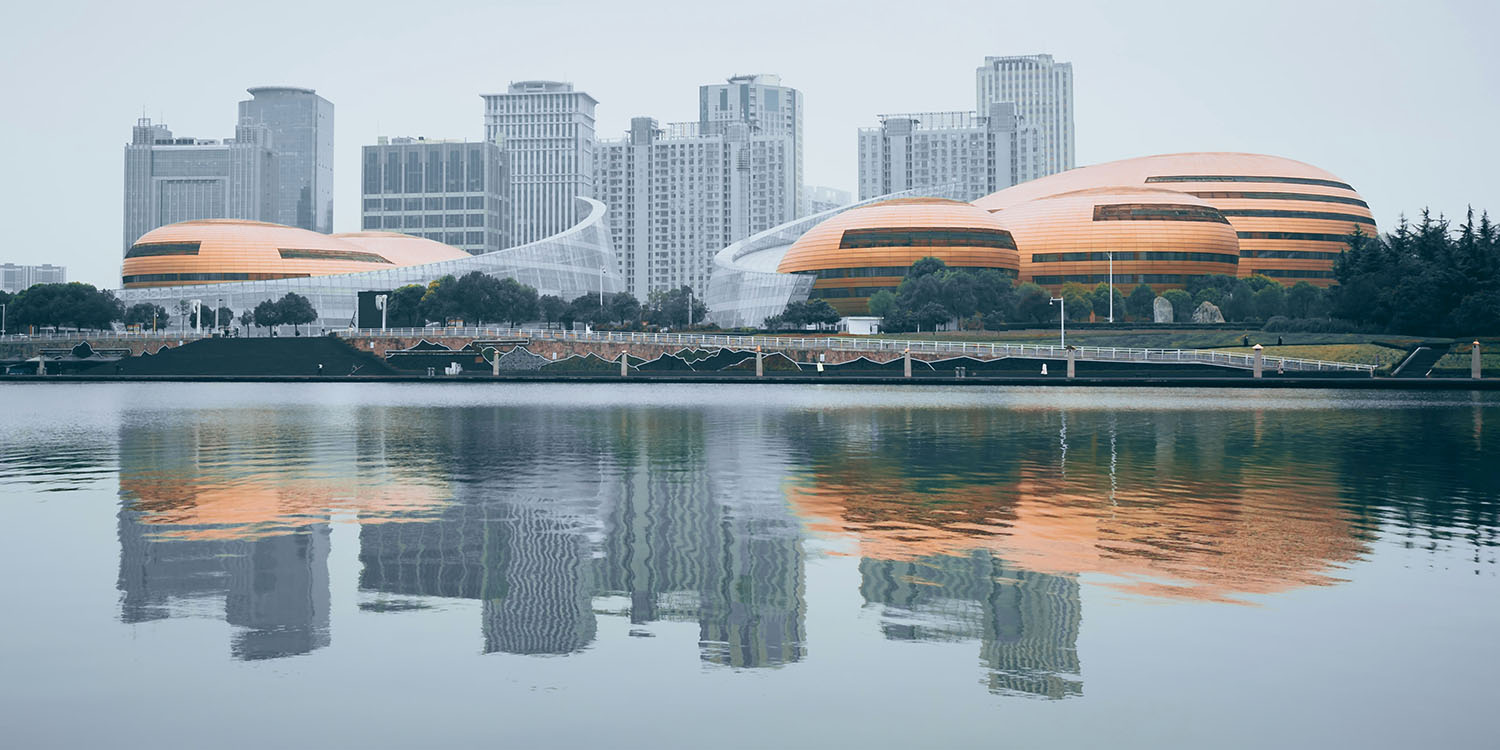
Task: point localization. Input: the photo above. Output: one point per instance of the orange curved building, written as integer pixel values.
(211, 251)
(1156, 237)
(864, 250)
(1290, 218)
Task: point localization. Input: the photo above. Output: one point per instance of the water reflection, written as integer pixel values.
(971, 521)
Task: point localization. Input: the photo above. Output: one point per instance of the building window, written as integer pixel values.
(292, 253)
(1248, 178)
(164, 248)
(935, 237)
(1157, 212)
(1272, 213)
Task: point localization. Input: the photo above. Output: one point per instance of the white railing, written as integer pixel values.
(978, 350)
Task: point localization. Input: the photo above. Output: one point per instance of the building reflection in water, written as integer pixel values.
(232, 508)
(555, 513)
(971, 524)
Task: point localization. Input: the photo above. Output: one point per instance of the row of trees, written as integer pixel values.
(477, 298)
(1423, 278)
(934, 295)
(70, 305)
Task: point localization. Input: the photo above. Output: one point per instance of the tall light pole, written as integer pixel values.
(601, 290)
(1111, 286)
(381, 301)
(1062, 319)
(2, 320)
(218, 303)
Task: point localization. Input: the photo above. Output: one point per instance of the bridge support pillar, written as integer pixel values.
(906, 364)
(1259, 360)
(1072, 367)
(760, 365)
(1474, 370)
(624, 364)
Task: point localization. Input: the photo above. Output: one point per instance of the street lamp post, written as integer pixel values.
(601, 290)
(218, 303)
(1111, 286)
(381, 301)
(2, 320)
(1062, 319)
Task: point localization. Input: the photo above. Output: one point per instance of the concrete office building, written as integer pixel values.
(979, 153)
(546, 130)
(450, 191)
(170, 179)
(300, 124)
(14, 278)
(1042, 90)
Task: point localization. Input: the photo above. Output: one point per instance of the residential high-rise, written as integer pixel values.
(678, 195)
(770, 110)
(547, 132)
(820, 198)
(170, 179)
(450, 191)
(979, 153)
(301, 126)
(14, 278)
(1042, 90)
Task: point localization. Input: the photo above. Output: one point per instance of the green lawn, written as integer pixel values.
(1364, 354)
(1456, 363)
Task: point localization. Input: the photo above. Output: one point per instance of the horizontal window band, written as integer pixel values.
(1120, 278)
(145, 278)
(162, 248)
(1290, 254)
(895, 271)
(1091, 257)
(932, 237)
(1282, 197)
(1248, 178)
(1299, 236)
(1157, 212)
(1279, 273)
(1272, 213)
(288, 253)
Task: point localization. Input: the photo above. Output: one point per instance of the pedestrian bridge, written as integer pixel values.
(829, 349)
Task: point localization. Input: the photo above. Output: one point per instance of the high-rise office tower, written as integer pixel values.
(1042, 90)
(547, 132)
(445, 190)
(170, 179)
(301, 127)
(771, 111)
(980, 153)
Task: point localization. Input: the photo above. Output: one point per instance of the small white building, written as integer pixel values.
(860, 325)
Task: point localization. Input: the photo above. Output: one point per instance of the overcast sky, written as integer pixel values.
(1400, 99)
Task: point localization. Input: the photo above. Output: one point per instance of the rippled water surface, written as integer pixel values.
(200, 565)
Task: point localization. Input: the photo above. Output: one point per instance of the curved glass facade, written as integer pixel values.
(578, 261)
(746, 288)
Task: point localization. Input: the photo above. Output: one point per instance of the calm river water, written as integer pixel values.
(200, 565)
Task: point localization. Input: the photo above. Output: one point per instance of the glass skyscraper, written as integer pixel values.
(301, 126)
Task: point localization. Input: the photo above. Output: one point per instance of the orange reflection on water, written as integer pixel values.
(1197, 540)
(266, 503)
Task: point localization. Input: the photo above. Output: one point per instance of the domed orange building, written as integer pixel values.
(1156, 237)
(865, 250)
(1290, 218)
(218, 250)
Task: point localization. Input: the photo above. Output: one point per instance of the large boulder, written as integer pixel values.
(1161, 310)
(1208, 312)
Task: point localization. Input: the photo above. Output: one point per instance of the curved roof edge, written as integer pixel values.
(591, 221)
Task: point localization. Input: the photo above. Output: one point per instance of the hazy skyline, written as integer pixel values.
(1398, 99)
